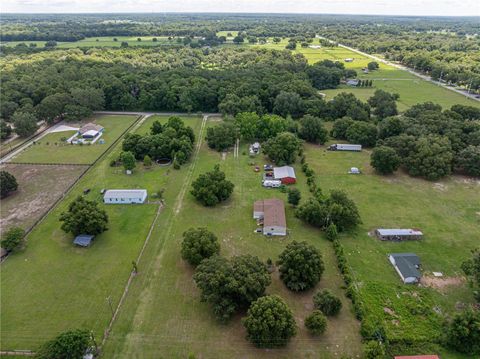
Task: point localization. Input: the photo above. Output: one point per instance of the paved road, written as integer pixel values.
(413, 72)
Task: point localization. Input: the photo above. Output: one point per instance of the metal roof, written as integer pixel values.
(399, 232)
(125, 193)
(273, 212)
(283, 172)
(90, 127)
(407, 264)
(83, 240)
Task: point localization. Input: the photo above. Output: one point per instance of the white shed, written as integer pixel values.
(125, 196)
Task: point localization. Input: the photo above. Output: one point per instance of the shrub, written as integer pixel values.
(84, 216)
(374, 350)
(331, 232)
(8, 183)
(463, 332)
(316, 322)
(269, 322)
(327, 302)
(294, 196)
(70, 344)
(12, 238)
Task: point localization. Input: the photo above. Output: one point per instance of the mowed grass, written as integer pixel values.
(163, 315)
(446, 211)
(52, 286)
(52, 149)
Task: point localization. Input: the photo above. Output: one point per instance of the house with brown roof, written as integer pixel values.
(272, 211)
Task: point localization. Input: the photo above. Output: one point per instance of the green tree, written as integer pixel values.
(238, 39)
(391, 126)
(373, 65)
(7, 109)
(363, 133)
(301, 266)
(25, 123)
(269, 322)
(471, 268)
(283, 148)
(468, 161)
(12, 238)
(221, 137)
(462, 333)
(71, 344)
(128, 160)
(8, 183)
(198, 244)
(147, 161)
(76, 112)
(92, 98)
(374, 350)
(294, 196)
(212, 187)
(331, 232)
(383, 103)
(288, 104)
(385, 160)
(5, 130)
(84, 217)
(327, 302)
(312, 130)
(230, 285)
(53, 106)
(316, 322)
(340, 127)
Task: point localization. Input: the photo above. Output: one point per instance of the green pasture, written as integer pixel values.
(163, 315)
(53, 149)
(51, 285)
(447, 213)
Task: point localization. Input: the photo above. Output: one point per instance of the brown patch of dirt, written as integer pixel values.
(441, 283)
(389, 311)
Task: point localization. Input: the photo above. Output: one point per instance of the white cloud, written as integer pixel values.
(381, 7)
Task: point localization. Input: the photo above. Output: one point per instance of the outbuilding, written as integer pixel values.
(398, 234)
(272, 211)
(286, 174)
(417, 357)
(125, 196)
(83, 240)
(407, 266)
(90, 130)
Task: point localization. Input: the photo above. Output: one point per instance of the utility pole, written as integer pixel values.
(109, 300)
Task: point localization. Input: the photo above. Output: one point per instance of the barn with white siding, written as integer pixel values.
(125, 196)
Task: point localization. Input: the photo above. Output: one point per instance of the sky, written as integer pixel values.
(378, 7)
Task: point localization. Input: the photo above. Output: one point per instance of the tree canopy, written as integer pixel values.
(84, 217)
(212, 187)
(8, 183)
(283, 148)
(70, 344)
(198, 244)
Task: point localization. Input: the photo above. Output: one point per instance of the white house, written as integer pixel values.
(272, 211)
(125, 196)
(407, 266)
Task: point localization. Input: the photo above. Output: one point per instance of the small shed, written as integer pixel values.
(83, 240)
(349, 59)
(353, 82)
(407, 266)
(398, 234)
(125, 196)
(286, 174)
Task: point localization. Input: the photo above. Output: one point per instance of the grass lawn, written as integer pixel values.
(163, 315)
(53, 149)
(446, 211)
(38, 188)
(51, 285)
(412, 89)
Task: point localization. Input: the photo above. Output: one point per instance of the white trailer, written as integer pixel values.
(345, 147)
(271, 183)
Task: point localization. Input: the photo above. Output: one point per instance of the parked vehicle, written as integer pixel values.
(344, 147)
(267, 167)
(272, 183)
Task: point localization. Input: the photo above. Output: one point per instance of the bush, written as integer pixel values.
(12, 238)
(199, 244)
(294, 196)
(385, 160)
(147, 161)
(269, 322)
(301, 266)
(316, 322)
(374, 350)
(327, 302)
(463, 332)
(8, 183)
(331, 232)
(70, 344)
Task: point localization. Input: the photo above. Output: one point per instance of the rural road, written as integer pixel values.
(404, 68)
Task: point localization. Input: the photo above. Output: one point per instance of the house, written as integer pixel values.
(125, 196)
(90, 130)
(398, 234)
(407, 266)
(286, 174)
(272, 211)
(83, 240)
(417, 357)
(353, 82)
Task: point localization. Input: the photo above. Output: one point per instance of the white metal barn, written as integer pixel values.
(125, 196)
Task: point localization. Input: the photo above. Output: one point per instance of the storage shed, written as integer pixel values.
(90, 130)
(272, 211)
(286, 174)
(125, 196)
(398, 234)
(407, 266)
(83, 240)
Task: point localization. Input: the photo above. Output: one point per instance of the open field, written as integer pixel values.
(446, 211)
(103, 41)
(52, 148)
(38, 188)
(412, 90)
(51, 285)
(163, 315)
